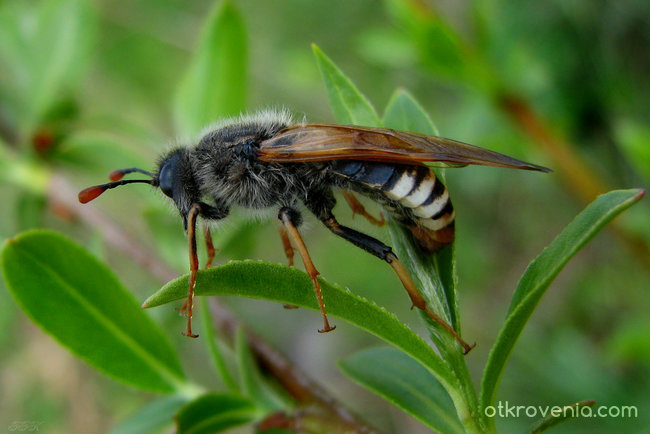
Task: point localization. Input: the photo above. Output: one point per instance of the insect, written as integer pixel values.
(267, 161)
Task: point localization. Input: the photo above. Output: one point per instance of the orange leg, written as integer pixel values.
(384, 252)
(292, 232)
(210, 247)
(194, 267)
(418, 300)
(288, 251)
(358, 208)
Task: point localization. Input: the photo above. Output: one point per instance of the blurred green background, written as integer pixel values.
(563, 84)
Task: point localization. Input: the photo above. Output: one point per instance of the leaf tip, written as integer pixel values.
(640, 194)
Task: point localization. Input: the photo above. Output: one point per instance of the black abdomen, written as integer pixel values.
(412, 187)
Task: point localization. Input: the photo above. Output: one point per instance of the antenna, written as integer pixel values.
(116, 175)
(91, 193)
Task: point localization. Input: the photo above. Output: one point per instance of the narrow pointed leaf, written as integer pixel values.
(407, 384)
(215, 413)
(403, 112)
(566, 413)
(78, 301)
(350, 106)
(288, 285)
(439, 46)
(541, 272)
(215, 84)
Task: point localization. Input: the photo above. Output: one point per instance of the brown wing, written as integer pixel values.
(322, 142)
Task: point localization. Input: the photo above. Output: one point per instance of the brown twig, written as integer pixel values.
(293, 380)
(304, 390)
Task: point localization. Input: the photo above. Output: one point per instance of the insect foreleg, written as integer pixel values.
(289, 219)
(382, 251)
(194, 266)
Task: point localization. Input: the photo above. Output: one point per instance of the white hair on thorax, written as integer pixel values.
(268, 118)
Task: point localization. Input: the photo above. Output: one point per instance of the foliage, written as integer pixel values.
(49, 126)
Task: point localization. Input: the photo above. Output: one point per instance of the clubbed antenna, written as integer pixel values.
(91, 193)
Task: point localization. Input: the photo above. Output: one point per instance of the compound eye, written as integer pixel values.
(166, 178)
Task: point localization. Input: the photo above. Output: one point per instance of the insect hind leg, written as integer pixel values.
(358, 208)
(384, 252)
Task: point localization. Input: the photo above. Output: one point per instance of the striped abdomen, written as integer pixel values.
(422, 201)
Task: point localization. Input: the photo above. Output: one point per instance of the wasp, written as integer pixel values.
(267, 161)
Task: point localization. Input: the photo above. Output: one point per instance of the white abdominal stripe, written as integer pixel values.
(414, 187)
(428, 198)
(418, 189)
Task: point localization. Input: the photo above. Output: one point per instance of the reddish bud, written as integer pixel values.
(115, 175)
(90, 193)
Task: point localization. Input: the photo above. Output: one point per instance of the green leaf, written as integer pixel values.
(251, 380)
(541, 272)
(563, 414)
(215, 413)
(407, 384)
(350, 106)
(290, 286)
(47, 57)
(403, 112)
(78, 301)
(440, 47)
(215, 83)
(152, 417)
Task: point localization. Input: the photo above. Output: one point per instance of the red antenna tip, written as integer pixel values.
(115, 175)
(90, 193)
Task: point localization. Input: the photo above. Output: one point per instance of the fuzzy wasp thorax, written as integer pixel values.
(267, 161)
